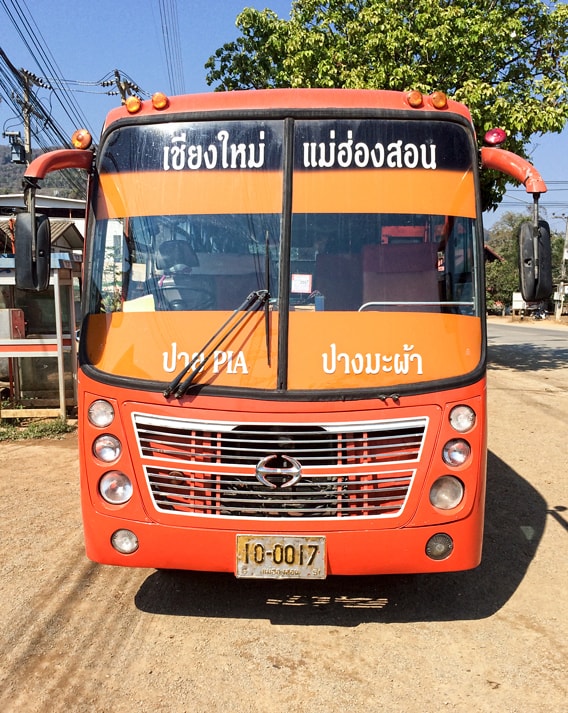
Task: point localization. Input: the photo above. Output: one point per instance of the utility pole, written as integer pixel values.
(26, 79)
(124, 86)
(27, 110)
(559, 305)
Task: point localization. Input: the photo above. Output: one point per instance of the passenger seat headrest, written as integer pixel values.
(174, 255)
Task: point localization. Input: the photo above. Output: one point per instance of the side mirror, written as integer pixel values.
(32, 252)
(535, 261)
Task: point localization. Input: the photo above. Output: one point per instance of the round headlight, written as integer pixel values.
(446, 493)
(107, 448)
(101, 413)
(124, 541)
(462, 418)
(115, 487)
(456, 452)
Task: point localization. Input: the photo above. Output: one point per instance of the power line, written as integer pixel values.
(60, 88)
(39, 119)
(169, 22)
(33, 40)
(38, 122)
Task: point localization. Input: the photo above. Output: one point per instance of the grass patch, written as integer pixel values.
(29, 429)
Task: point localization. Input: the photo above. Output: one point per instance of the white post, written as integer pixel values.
(59, 337)
(561, 286)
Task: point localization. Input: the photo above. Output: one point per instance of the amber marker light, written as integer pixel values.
(415, 99)
(495, 137)
(160, 100)
(133, 104)
(81, 139)
(439, 100)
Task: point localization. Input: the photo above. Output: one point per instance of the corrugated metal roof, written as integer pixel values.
(64, 235)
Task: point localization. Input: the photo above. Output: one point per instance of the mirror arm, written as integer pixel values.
(30, 185)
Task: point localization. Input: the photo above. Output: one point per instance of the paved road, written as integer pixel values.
(524, 347)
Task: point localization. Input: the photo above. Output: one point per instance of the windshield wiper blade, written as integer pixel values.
(178, 387)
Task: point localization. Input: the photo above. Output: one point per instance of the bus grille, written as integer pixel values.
(349, 470)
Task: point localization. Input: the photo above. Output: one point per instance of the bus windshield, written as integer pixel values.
(363, 232)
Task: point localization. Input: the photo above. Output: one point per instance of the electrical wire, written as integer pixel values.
(31, 36)
(19, 89)
(169, 22)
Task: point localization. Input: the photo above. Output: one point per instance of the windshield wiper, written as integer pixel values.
(178, 386)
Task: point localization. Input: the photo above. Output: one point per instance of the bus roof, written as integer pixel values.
(275, 99)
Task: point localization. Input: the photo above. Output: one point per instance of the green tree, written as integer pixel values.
(502, 276)
(507, 60)
(503, 236)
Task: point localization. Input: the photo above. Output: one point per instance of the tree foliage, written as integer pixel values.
(502, 276)
(508, 61)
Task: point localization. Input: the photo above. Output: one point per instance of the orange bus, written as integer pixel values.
(283, 348)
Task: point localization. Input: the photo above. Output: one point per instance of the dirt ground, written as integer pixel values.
(81, 637)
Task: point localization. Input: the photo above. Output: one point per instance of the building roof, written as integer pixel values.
(64, 235)
(491, 255)
(16, 200)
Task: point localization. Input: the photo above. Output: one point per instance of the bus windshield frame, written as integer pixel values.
(365, 232)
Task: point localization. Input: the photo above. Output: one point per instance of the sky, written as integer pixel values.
(89, 40)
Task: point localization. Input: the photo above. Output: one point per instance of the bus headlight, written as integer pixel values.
(446, 493)
(115, 487)
(107, 448)
(456, 452)
(101, 413)
(462, 418)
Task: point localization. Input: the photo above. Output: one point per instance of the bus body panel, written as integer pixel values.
(360, 552)
(186, 539)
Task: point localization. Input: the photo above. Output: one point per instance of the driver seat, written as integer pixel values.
(179, 289)
(174, 256)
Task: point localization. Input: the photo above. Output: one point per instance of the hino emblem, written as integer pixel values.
(292, 472)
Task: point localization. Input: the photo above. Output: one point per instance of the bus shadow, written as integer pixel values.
(514, 524)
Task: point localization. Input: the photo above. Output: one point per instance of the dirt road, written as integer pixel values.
(81, 637)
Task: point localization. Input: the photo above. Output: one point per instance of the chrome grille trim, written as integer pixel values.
(348, 469)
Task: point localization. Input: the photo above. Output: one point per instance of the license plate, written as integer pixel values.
(278, 557)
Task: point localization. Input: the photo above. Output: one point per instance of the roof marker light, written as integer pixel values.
(495, 137)
(415, 99)
(81, 139)
(160, 100)
(439, 100)
(133, 104)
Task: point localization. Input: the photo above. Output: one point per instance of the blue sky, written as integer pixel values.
(87, 41)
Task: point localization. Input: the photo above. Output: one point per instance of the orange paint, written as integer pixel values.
(384, 191)
(197, 193)
(389, 190)
(329, 350)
